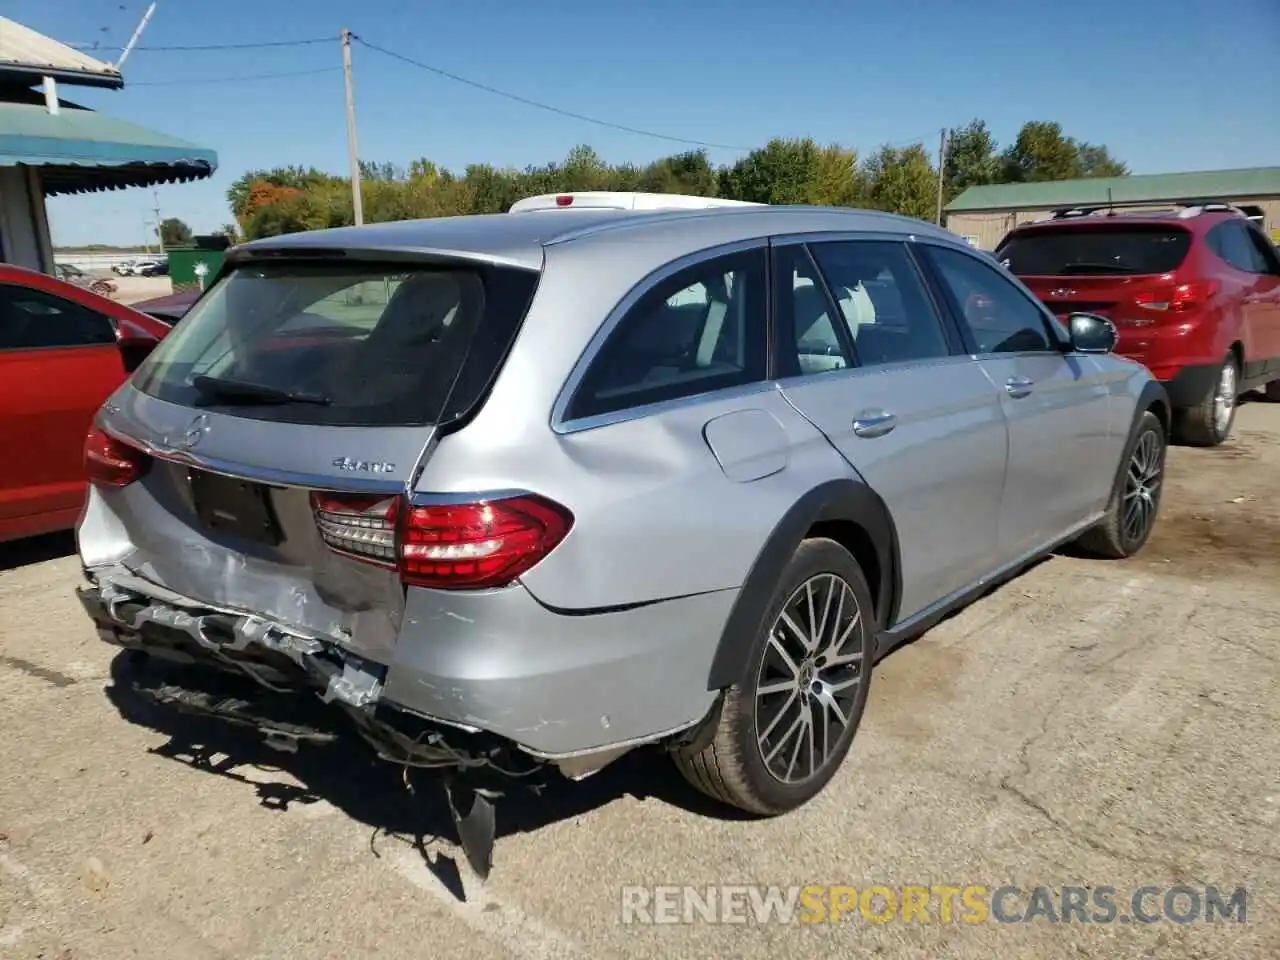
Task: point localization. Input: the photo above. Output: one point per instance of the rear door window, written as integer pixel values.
(701, 329)
(33, 320)
(341, 344)
(1130, 250)
(809, 336)
(883, 301)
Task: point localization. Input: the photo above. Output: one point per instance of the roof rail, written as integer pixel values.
(1185, 208)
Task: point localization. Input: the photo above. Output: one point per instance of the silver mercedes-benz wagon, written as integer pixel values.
(518, 493)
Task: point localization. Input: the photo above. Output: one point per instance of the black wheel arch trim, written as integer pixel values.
(845, 499)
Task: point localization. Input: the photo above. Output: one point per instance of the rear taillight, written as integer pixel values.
(1178, 299)
(109, 462)
(564, 200)
(486, 543)
(364, 527)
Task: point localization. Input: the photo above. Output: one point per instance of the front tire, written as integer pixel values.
(1131, 514)
(1208, 423)
(781, 732)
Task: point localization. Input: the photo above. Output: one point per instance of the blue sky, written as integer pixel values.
(1167, 84)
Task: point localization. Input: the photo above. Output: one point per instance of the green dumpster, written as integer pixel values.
(190, 266)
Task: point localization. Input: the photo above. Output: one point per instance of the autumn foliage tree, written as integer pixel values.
(783, 171)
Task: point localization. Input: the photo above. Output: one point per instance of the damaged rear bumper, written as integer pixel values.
(491, 681)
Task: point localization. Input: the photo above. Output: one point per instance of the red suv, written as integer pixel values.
(1194, 294)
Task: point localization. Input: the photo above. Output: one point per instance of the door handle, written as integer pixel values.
(1018, 387)
(874, 423)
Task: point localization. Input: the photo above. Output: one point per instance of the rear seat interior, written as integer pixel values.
(689, 340)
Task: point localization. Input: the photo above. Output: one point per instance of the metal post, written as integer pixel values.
(942, 171)
(51, 101)
(353, 152)
(128, 47)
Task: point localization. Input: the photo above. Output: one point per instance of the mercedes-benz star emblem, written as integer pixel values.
(195, 432)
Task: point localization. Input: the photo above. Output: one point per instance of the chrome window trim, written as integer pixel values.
(842, 236)
(642, 411)
(882, 369)
(559, 423)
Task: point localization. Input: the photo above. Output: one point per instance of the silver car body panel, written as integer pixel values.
(609, 640)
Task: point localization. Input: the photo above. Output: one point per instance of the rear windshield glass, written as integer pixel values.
(1133, 249)
(341, 344)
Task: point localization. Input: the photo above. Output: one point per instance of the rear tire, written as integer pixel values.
(1208, 423)
(781, 732)
(1135, 503)
(1272, 391)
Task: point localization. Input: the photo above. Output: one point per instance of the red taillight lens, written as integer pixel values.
(1192, 296)
(447, 546)
(109, 462)
(362, 527)
(1178, 299)
(564, 200)
(483, 544)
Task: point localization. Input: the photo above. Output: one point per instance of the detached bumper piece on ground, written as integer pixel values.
(475, 769)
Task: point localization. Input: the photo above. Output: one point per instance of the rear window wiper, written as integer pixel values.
(227, 390)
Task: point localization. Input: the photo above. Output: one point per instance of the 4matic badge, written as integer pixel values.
(364, 466)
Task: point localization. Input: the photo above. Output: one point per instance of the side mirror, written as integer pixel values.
(1091, 333)
(135, 345)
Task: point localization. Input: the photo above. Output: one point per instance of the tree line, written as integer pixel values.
(896, 179)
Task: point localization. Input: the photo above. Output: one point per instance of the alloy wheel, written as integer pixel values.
(1142, 486)
(1224, 397)
(809, 678)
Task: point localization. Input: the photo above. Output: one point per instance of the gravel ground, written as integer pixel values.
(137, 289)
(1089, 724)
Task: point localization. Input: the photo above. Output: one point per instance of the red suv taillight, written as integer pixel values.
(486, 543)
(1178, 299)
(109, 462)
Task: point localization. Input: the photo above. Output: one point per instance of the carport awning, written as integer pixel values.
(80, 151)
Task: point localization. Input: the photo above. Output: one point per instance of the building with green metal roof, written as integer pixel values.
(49, 146)
(985, 214)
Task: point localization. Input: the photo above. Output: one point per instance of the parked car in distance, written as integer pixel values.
(63, 350)
(148, 267)
(1194, 292)
(69, 273)
(124, 267)
(519, 494)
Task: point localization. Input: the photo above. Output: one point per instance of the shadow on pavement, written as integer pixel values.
(407, 804)
(50, 546)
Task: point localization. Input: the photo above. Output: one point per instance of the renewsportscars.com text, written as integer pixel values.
(936, 903)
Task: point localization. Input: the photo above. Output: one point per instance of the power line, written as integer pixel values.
(247, 76)
(245, 46)
(214, 46)
(542, 106)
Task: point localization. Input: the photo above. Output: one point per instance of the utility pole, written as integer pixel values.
(353, 152)
(942, 169)
(155, 195)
